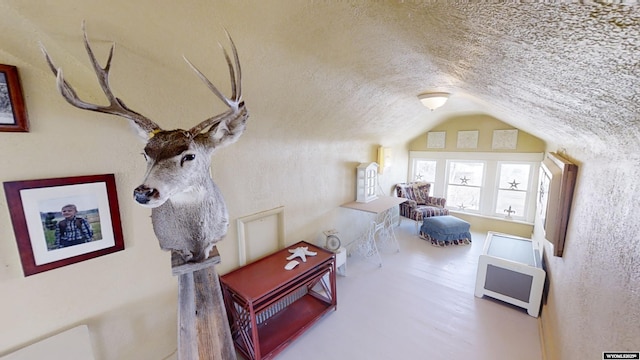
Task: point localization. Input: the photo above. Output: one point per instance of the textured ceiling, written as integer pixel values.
(567, 73)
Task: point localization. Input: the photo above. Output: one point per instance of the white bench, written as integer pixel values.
(510, 269)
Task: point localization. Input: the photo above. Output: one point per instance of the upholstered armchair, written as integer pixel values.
(419, 204)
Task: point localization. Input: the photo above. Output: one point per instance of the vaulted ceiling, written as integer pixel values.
(566, 73)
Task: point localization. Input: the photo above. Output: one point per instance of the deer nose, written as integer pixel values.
(143, 194)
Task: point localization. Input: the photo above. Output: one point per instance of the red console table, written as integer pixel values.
(268, 306)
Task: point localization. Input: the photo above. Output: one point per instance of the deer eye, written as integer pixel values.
(187, 157)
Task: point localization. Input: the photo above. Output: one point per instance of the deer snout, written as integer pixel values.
(143, 194)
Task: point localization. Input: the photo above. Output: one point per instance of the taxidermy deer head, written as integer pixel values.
(188, 213)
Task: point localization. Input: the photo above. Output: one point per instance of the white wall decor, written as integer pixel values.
(366, 182)
(436, 139)
(260, 234)
(468, 139)
(504, 139)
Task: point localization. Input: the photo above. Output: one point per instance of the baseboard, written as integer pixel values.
(543, 347)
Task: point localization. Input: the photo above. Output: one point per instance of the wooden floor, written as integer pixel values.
(418, 305)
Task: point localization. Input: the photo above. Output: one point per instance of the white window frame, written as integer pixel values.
(482, 186)
(531, 192)
(414, 170)
(489, 192)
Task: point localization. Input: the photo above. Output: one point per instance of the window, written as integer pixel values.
(512, 194)
(464, 184)
(489, 184)
(425, 170)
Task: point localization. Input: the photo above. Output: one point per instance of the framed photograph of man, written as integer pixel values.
(13, 114)
(62, 221)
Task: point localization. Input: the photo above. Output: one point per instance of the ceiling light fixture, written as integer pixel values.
(433, 100)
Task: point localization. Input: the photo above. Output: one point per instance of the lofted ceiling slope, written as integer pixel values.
(566, 73)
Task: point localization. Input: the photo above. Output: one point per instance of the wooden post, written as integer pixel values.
(203, 326)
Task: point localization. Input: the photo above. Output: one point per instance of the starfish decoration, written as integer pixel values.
(301, 252)
(464, 180)
(514, 185)
(419, 177)
(462, 206)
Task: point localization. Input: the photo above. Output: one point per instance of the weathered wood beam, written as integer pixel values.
(203, 327)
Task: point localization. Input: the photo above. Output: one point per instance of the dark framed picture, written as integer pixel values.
(13, 114)
(557, 181)
(62, 221)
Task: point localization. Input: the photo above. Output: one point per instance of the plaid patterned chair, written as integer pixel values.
(419, 204)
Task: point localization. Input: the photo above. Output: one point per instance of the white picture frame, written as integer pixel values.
(260, 234)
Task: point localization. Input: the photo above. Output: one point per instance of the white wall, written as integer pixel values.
(594, 288)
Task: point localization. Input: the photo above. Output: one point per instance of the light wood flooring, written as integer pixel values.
(418, 305)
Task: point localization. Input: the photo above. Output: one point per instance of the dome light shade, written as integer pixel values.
(433, 100)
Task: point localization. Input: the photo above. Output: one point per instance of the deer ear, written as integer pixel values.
(143, 134)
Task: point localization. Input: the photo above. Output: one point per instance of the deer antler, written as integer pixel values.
(116, 106)
(235, 102)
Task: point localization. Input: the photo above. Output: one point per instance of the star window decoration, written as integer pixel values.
(514, 185)
(419, 177)
(464, 180)
(462, 206)
(509, 211)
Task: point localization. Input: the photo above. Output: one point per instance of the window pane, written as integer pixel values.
(371, 182)
(463, 197)
(426, 170)
(514, 176)
(514, 199)
(466, 173)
